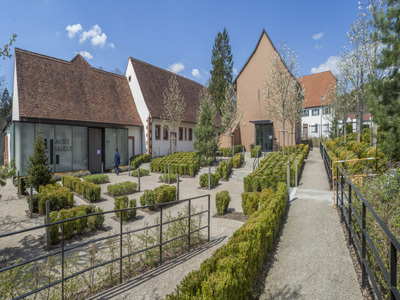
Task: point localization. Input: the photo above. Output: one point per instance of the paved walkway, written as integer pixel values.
(311, 260)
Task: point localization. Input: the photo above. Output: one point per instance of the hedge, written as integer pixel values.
(97, 179)
(255, 150)
(124, 202)
(184, 163)
(164, 178)
(59, 197)
(238, 160)
(232, 271)
(137, 160)
(123, 188)
(272, 169)
(162, 194)
(228, 151)
(143, 172)
(224, 169)
(79, 225)
(222, 200)
(213, 181)
(87, 189)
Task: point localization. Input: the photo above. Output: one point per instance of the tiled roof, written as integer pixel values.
(55, 89)
(315, 86)
(366, 117)
(153, 81)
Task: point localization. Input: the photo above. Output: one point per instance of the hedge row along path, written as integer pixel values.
(312, 260)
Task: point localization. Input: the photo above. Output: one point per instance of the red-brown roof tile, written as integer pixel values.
(153, 81)
(316, 86)
(55, 89)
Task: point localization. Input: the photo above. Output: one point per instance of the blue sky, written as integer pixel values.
(177, 34)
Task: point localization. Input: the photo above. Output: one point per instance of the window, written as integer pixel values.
(326, 111)
(315, 112)
(158, 132)
(314, 128)
(190, 134)
(326, 127)
(305, 112)
(165, 134)
(185, 133)
(180, 133)
(129, 78)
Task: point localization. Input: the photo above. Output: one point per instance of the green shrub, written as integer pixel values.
(54, 228)
(81, 223)
(91, 191)
(123, 188)
(222, 200)
(256, 152)
(250, 202)
(149, 197)
(136, 161)
(164, 178)
(184, 163)
(132, 212)
(97, 179)
(59, 197)
(143, 172)
(69, 227)
(165, 193)
(204, 180)
(120, 203)
(238, 160)
(95, 222)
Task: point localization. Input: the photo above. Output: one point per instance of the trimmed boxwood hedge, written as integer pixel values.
(228, 151)
(222, 200)
(238, 160)
(137, 160)
(164, 178)
(122, 188)
(143, 172)
(224, 169)
(256, 149)
(124, 202)
(213, 180)
(97, 179)
(87, 189)
(162, 194)
(184, 163)
(59, 197)
(232, 271)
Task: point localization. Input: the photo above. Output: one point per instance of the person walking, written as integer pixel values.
(117, 161)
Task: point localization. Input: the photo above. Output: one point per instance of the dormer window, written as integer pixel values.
(129, 78)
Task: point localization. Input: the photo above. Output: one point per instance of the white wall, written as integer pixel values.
(139, 101)
(136, 132)
(15, 103)
(164, 145)
(312, 120)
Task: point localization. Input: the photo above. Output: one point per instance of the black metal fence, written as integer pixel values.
(63, 251)
(326, 158)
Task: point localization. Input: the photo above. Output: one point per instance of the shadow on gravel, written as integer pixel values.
(135, 282)
(284, 293)
(23, 250)
(268, 264)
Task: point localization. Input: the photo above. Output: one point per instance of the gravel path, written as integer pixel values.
(311, 260)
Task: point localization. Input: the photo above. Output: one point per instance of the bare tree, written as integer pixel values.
(231, 111)
(174, 107)
(281, 90)
(5, 51)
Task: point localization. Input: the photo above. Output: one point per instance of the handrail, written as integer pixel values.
(390, 274)
(65, 249)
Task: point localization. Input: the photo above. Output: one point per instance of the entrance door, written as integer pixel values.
(131, 146)
(95, 148)
(264, 136)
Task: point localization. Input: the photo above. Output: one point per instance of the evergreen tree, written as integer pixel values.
(39, 172)
(6, 172)
(5, 106)
(221, 74)
(384, 93)
(204, 132)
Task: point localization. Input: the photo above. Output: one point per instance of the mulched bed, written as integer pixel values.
(157, 210)
(34, 215)
(107, 194)
(232, 215)
(116, 219)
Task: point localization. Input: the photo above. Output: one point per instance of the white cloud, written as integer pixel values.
(318, 47)
(318, 36)
(235, 71)
(196, 73)
(330, 64)
(97, 38)
(111, 45)
(176, 67)
(86, 54)
(73, 30)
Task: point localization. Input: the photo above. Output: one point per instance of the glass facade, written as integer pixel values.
(264, 136)
(116, 138)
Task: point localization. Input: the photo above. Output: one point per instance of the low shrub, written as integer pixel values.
(224, 169)
(238, 160)
(124, 202)
(165, 193)
(256, 152)
(123, 188)
(143, 172)
(149, 197)
(222, 200)
(91, 191)
(137, 160)
(213, 180)
(95, 222)
(250, 202)
(164, 178)
(97, 179)
(184, 163)
(58, 196)
(228, 151)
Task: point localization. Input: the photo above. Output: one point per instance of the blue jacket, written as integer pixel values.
(117, 159)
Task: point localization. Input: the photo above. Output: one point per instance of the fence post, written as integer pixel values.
(47, 222)
(350, 205)
(138, 174)
(295, 178)
(177, 187)
(189, 213)
(243, 153)
(169, 173)
(341, 196)
(393, 269)
(102, 168)
(129, 168)
(120, 245)
(161, 223)
(18, 183)
(363, 245)
(31, 203)
(337, 186)
(288, 180)
(62, 260)
(209, 177)
(208, 218)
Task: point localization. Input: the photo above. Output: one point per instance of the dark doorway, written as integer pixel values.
(265, 136)
(95, 149)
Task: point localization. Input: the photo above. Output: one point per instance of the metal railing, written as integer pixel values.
(326, 158)
(345, 198)
(64, 250)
